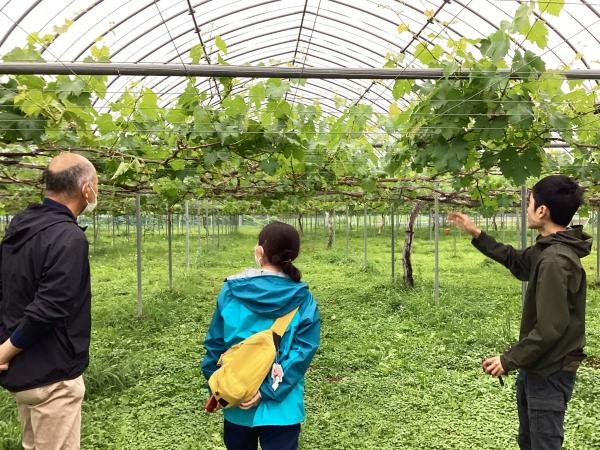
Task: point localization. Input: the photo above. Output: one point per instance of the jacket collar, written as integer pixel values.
(56, 205)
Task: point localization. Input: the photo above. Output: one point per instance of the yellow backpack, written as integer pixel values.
(244, 367)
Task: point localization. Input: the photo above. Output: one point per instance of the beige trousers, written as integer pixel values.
(51, 415)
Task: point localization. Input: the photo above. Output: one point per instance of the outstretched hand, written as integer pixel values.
(463, 222)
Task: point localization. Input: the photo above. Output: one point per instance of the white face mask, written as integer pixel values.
(91, 206)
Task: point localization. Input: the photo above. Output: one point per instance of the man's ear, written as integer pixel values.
(544, 212)
(84, 190)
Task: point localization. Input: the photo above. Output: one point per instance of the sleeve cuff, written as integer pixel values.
(483, 242)
(28, 333)
(507, 365)
(479, 238)
(265, 391)
(16, 339)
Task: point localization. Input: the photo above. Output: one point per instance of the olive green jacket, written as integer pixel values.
(553, 321)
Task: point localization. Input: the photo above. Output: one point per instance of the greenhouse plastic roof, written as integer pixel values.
(303, 33)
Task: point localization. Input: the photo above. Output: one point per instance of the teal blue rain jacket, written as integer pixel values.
(249, 303)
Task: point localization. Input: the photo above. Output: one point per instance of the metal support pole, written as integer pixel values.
(523, 228)
(138, 244)
(598, 245)
(436, 268)
(218, 230)
(518, 225)
(429, 224)
(199, 208)
(187, 235)
(366, 262)
(392, 214)
(347, 232)
(212, 227)
(333, 218)
(169, 239)
(206, 225)
(238, 71)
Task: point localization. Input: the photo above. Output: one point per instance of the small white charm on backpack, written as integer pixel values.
(276, 375)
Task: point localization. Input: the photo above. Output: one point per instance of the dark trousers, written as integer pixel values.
(542, 403)
(238, 437)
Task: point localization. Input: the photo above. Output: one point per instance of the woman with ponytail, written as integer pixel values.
(249, 303)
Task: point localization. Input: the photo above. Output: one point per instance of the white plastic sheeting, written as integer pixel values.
(310, 33)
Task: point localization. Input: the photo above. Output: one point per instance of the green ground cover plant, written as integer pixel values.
(393, 371)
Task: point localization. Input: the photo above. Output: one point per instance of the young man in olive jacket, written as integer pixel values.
(45, 307)
(552, 335)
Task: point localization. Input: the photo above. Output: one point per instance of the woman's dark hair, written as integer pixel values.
(561, 195)
(281, 243)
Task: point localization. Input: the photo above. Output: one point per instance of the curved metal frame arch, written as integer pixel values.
(91, 7)
(112, 28)
(417, 36)
(164, 22)
(270, 56)
(565, 40)
(82, 15)
(18, 21)
(249, 7)
(201, 83)
(251, 24)
(242, 85)
(284, 15)
(235, 44)
(157, 84)
(519, 44)
(339, 20)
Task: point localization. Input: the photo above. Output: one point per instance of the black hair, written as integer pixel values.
(281, 243)
(561, 195)
(67, 181)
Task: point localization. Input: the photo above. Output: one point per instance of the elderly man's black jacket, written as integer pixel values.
(45, 297)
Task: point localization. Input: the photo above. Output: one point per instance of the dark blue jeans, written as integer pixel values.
(238, 437)
(542, 403)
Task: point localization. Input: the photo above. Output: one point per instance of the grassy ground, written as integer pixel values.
(393, 371)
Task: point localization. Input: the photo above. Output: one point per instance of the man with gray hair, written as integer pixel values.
(45, 306)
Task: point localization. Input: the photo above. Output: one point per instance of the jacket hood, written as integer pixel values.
(30, 222)
(574, 237)
(266, 294)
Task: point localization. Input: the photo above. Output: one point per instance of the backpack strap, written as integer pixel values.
(281, 324)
